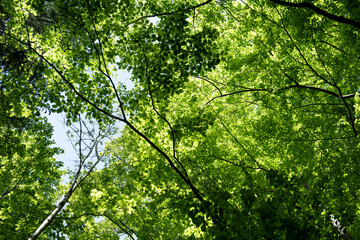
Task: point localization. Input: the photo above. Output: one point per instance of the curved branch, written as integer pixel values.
(99, 53)
(153, 145)
(101, 56)
(207, 80)
(64, 78)
(18, 182)
(102, 215)
(331, 45)
(319, 11)
(232, 163)
(184, 175)
(118, 225)
(351, 95)
(67, 82)
(313, 88)
(351, 118)
(238, 142)
(241, 91)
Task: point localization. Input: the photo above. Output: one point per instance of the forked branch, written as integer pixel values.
(76, 182)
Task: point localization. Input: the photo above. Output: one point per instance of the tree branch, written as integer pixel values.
(238, 142)
(317, 89)
(236, 92)
(74, 185)
(124, 120)
(207, 80)
(103, 215)
(319, 11)
(160, 115)
(114, 222)
(17, 183)
(232, 163)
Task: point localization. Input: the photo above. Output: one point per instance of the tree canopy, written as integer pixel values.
(243, 122)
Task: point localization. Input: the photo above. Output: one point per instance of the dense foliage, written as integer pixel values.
(242, 123)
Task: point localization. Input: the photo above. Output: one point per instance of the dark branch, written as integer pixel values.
(313, 88)
(159, 114)
(320, 11)
(321, 90)
(238, 142)
(331, 45)
(235, 164)
(102, 215)
(351, 95)
(237, 92)
(122, 228)
(205, 79)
